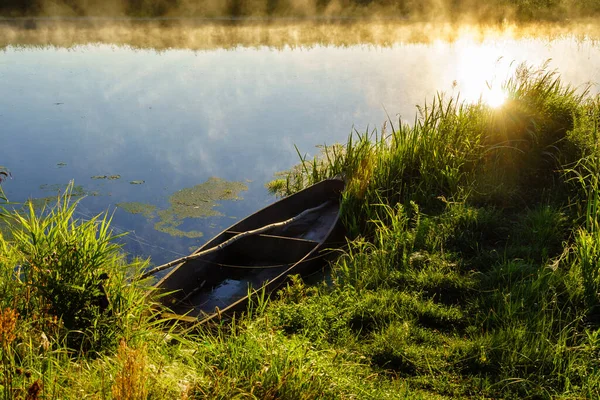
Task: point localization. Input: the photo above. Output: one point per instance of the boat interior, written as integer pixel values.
(222, 277)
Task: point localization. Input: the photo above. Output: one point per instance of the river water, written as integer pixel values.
(142, 130)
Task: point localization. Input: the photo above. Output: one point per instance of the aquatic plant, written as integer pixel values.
(199, 201)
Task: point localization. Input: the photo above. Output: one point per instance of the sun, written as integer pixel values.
(480, 70)
(494, 97)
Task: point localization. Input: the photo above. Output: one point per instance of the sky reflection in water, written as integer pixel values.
(175, 118)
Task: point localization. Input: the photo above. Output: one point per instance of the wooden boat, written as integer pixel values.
(217, 283)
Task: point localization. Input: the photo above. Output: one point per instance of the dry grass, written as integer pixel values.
(131, 381)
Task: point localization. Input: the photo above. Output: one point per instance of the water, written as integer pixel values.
(169, 119)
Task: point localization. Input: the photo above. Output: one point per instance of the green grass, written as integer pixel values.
(478, 227)
(472, 271)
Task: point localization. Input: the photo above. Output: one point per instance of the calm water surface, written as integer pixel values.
(172, 119)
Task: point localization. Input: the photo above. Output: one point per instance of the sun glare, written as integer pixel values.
(494, 97)
(480, 71)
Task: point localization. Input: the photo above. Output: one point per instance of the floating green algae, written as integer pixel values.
(109, 177)
(40, 203)
(134, 207)
(169, 224)
(76, 191)
(199, 201)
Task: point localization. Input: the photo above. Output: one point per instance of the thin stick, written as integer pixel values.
(230, 241)
(193, 292)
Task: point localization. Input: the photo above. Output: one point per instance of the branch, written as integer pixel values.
(230, 241)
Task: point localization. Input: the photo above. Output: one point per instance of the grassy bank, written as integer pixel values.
(471, 272)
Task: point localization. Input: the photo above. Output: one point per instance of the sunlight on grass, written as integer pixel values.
(492, 279)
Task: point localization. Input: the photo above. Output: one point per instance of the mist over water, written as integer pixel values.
(202, 34)
(170, 107)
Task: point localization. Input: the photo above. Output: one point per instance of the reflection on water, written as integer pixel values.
(222, 295)
(172, 119)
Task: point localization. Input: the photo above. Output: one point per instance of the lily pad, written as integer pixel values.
(137, 182)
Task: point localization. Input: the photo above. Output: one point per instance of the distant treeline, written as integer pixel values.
(476, 9)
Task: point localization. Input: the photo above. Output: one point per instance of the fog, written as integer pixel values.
(205, 36)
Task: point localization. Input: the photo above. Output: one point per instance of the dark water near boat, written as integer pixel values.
(135, 126)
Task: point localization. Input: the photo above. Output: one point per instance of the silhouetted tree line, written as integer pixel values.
(524, 9)
(85, 7)
(156, 8)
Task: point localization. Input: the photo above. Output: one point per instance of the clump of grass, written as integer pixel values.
(70, 276)
(584, 173)
(131, 380)
(8, 323)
